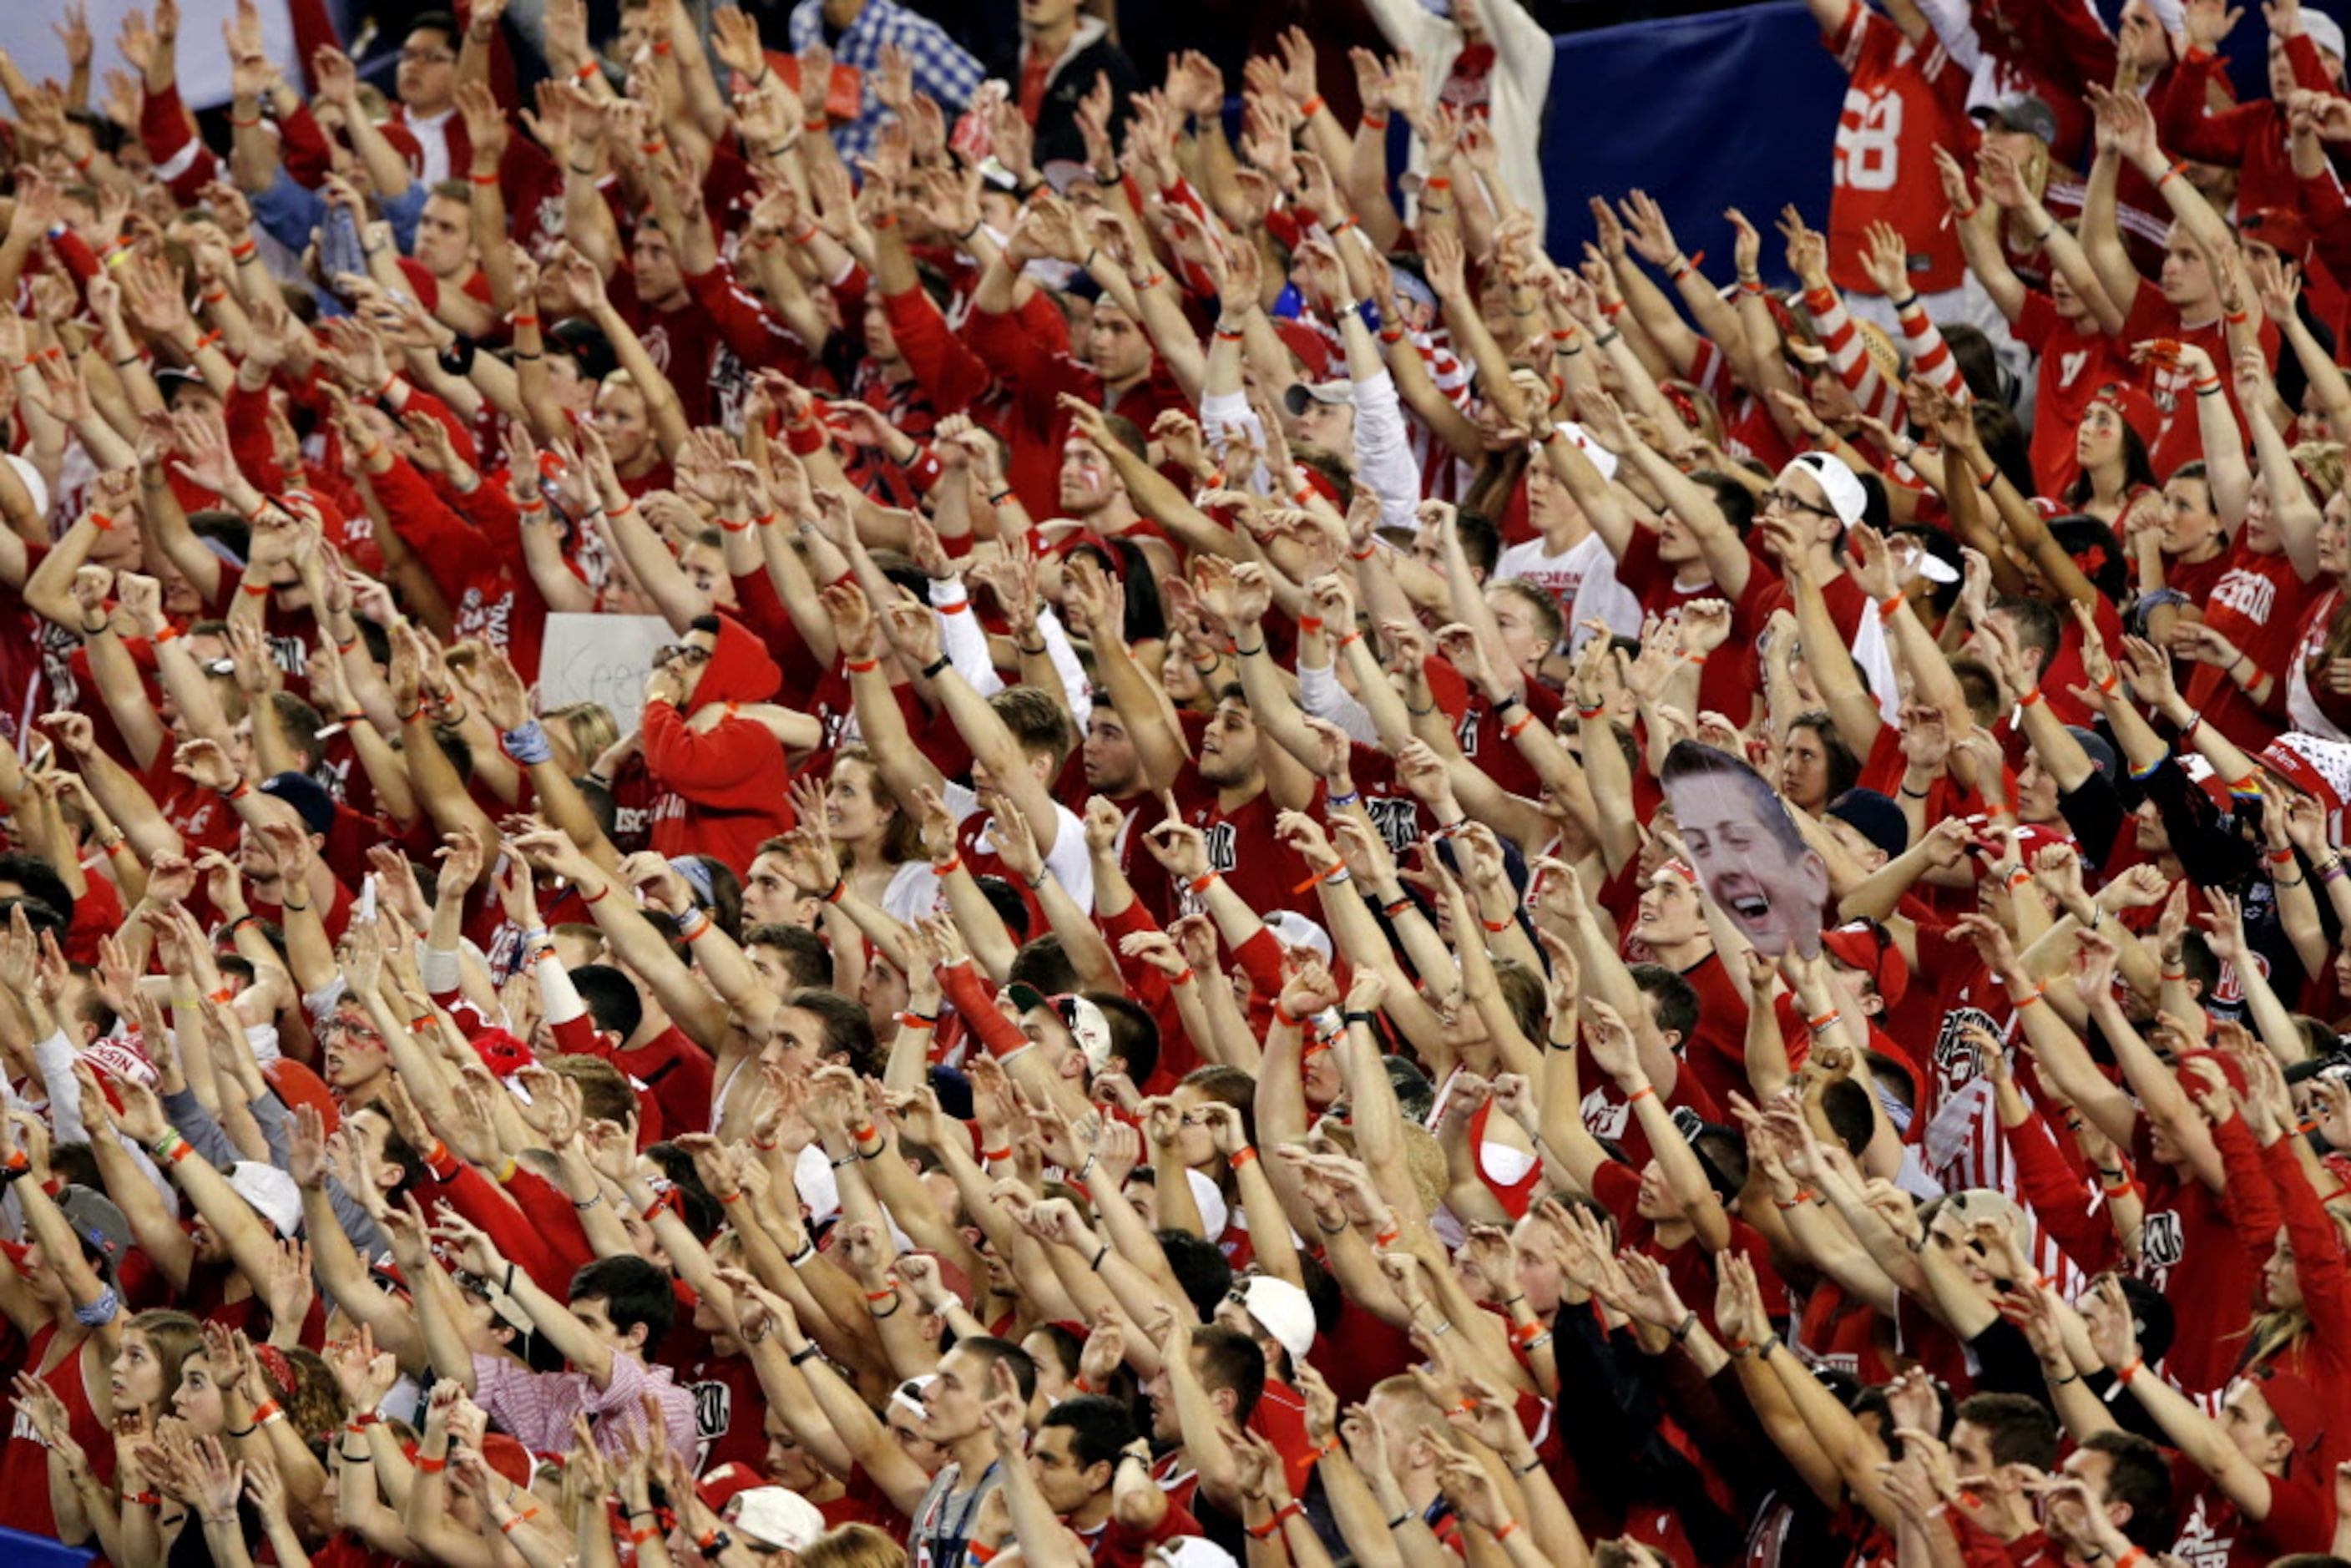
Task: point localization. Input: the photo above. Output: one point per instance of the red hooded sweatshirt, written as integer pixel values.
(721, 789)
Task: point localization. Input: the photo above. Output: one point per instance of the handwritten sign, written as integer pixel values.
(601, 659)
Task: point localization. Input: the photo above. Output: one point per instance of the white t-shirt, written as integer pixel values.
(1072, 866)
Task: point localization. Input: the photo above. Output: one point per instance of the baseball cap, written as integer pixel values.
(1840, 487)
(501, 1050)
(2317, 767)
(2026, 112)
(2282, 229)
(777, 1517)
(99, 1223)
(271, 1192)
(725, 1484)
(307, 796)
(1083, 1018)
(2296, 1405)
(2138, 409)
(1282, 1309)
(1599, 456)
(2102, 755)
(2323, 30)
(1292, 930)
(1875, 817)
(1862, 945)
(1300, 393)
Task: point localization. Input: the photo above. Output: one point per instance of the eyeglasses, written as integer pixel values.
(427, 57)
(1788, 503)
(681, 653)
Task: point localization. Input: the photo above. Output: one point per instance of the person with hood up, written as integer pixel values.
(716, 747)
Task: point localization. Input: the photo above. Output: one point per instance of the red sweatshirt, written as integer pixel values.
(2250, 137)
(723, 787)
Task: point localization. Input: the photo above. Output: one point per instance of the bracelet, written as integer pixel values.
(1293, 1508)
(506, 1526)
(431, 1467)
(1240, 1158)
(1198, 886)
(1095, 1267)
(1888, 608)
(2124, 1376)
(805, 1354)
(1504, 1533)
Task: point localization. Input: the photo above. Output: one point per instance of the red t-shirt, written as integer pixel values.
(1725, 687)
(2256, 604)
(1691, 1269)
(2181, 439)
(2191, 1253)
(2213, 1530)
(2076, 360)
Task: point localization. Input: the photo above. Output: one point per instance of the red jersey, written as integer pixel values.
(25, 1461)
(1905, 99)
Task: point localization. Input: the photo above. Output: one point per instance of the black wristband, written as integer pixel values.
(457, 358)
(930, 671)
(1369, 1021)
(1904, 304)
(805, 1354)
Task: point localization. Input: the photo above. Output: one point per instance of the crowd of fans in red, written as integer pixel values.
(1296, 884)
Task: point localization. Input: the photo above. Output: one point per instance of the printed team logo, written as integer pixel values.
(1956, 1066)
(1605, 1119)
(1398, 820)
(2162, 1242)
(2197, 1546)
(1223, 846)
(714, 1411)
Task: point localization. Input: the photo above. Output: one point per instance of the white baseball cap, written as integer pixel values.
(777, 1517)
(1840, 487)
(1282, 1310)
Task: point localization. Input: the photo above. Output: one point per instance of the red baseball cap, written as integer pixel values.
(2282, 229)
(1863, 945)
(2138, 409)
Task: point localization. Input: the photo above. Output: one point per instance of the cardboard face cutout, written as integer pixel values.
(1750, 856)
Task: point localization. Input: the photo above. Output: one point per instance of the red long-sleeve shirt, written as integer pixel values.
(2251, 137)
(478, 1200)
(2059, 1198)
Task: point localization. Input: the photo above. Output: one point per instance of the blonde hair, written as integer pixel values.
(589, 726)
(852, 1546)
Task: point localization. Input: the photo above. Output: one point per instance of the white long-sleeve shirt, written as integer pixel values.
(1522, 81)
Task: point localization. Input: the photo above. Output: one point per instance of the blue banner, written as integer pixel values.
(1735, 108)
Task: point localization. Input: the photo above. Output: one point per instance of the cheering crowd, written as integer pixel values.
(1296, 884)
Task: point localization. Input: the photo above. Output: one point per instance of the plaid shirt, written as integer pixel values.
(537, 1407)
(942, 68)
